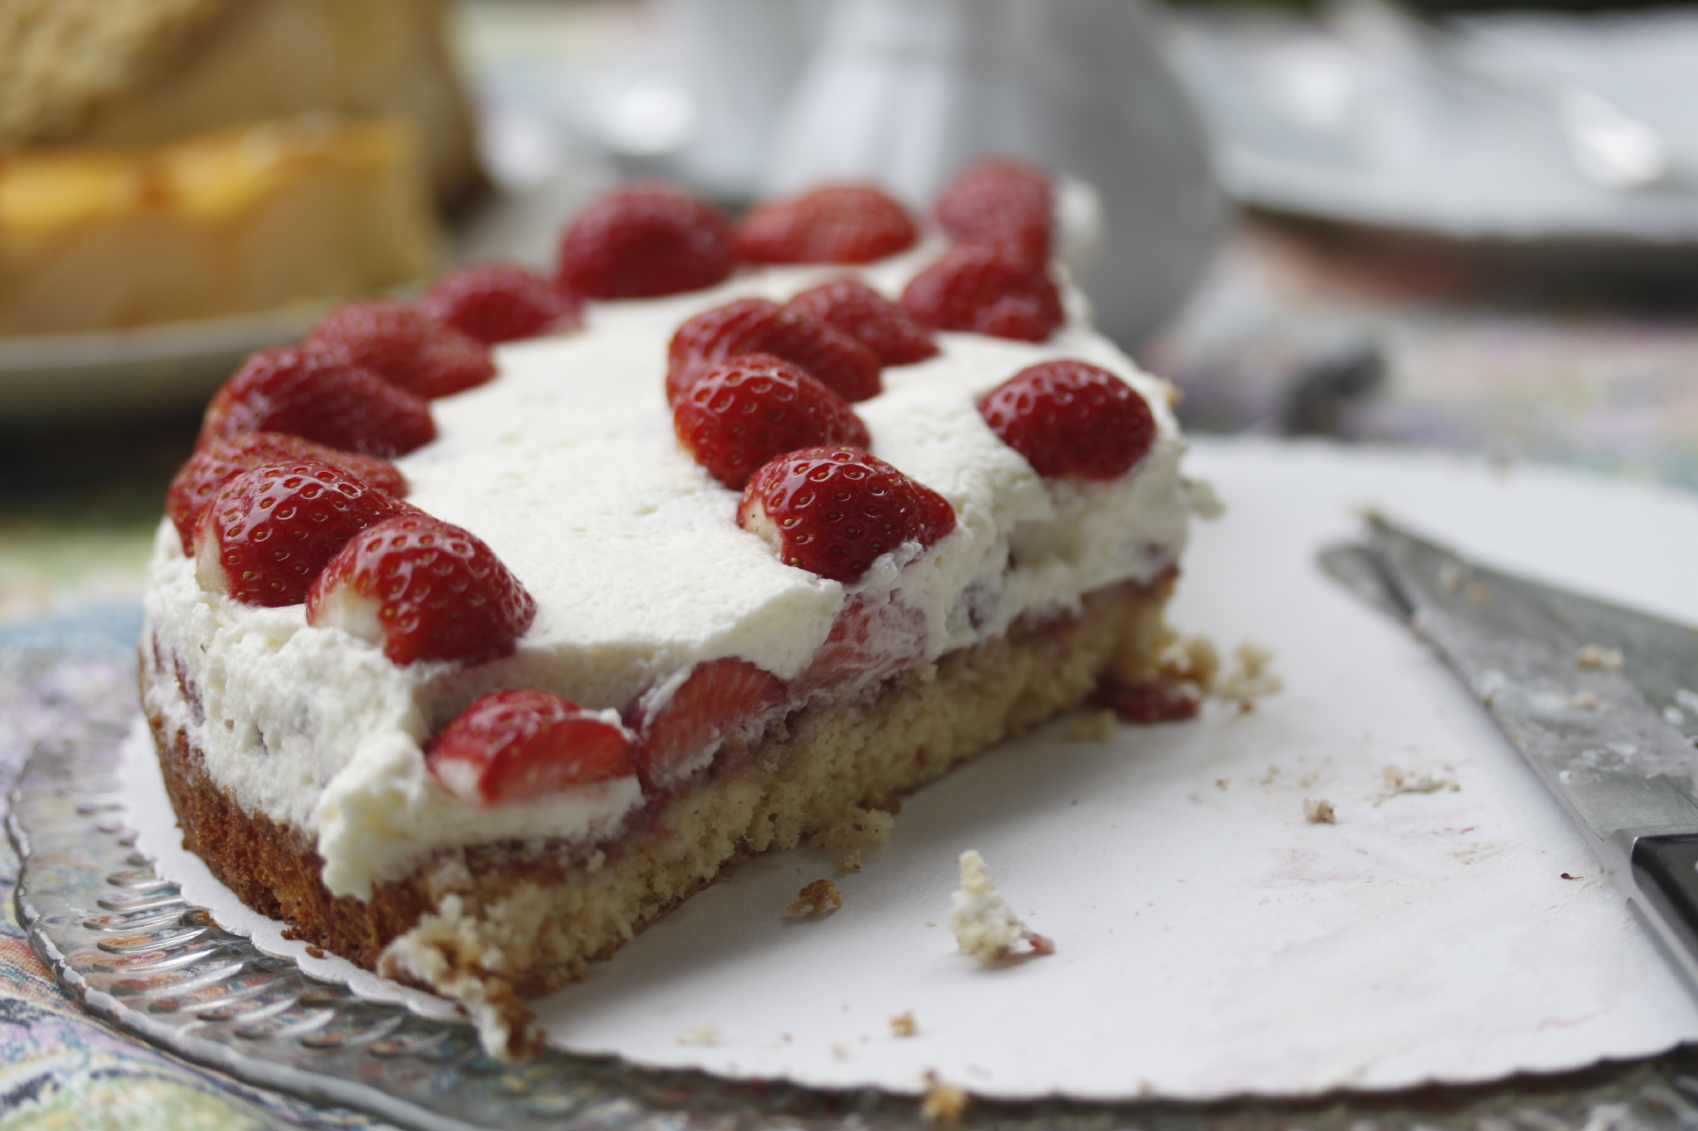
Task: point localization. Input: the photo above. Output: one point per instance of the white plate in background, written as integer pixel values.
(1369, 118)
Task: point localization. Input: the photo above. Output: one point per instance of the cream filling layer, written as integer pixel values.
(566, 465)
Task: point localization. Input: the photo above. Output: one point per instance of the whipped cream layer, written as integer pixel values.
(566, 465)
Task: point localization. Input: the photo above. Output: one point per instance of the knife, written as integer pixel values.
(1601, 700)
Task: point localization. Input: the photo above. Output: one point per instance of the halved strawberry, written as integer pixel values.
(518, 744)
(644, 240)
(212, 467)
(317, 396)
(423, 589)
(1004, 201)
(404, 346)
(724, 702)
(1070, 418)
(738, 415)
(873, 635)
(986, 289)
(758, 325)
(834, 510)
(876, 322)
(846, 223)
(266, 535)
(500, 302)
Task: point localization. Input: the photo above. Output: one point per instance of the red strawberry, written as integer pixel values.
(933, 516)
(830, 224)
(1071, 419)
(723, 702)
(402, 345)
(265, 536)
(518, 744)
(1150, 701)
(500, 302)
(999, 200)
(743, 413)
(984, 288)
(872, 636)
(424, 590)
(644, 240)
(317, 396)
(833, 510)
(876, 322)
(212, 467)
(756, 325)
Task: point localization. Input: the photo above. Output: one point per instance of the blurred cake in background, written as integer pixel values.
(243, 219)
(174, 159)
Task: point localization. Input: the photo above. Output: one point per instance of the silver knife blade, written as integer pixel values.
(1596, 697)
(1666, 671)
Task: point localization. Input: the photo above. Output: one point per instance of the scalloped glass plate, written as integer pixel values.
(131, 949)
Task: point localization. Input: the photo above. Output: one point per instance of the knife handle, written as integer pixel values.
(1665, 869)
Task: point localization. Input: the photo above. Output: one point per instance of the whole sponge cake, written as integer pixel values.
(736, 701)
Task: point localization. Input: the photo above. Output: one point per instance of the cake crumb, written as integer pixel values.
(862, 828)
(289, 933)
(1398, 780)
(1222, 783)
(850, 864)
(1251, 679)
(1583, 701)
(1189, 659)
(1204, 501)
(1098, 726)
(315, 951)
(445, 952)
(1169, 688)
(1319, 812)
(1599, 658)
(818, 898)
(984, 925)
(943, 1103)
(700, 1035)
(902, 1025)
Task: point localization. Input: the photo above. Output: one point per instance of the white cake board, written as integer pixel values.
(1210, 940)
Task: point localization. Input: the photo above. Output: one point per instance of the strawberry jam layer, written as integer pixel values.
(651, 601)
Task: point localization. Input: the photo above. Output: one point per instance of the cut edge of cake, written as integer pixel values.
(493, 924)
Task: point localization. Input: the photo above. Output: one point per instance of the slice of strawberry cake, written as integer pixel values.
(469, 665)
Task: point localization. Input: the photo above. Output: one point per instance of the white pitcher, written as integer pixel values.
(904, 92)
